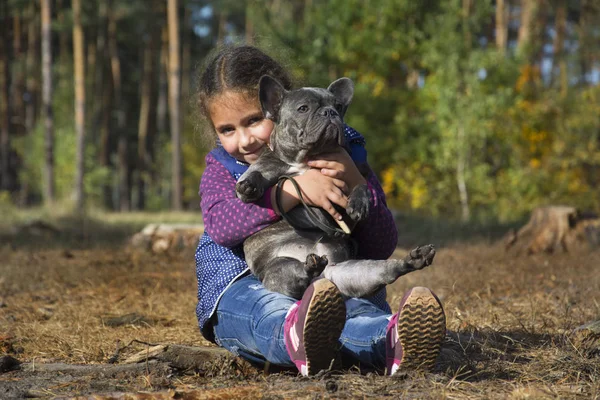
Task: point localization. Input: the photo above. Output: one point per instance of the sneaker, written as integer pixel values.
(415, 334)
(313, 327)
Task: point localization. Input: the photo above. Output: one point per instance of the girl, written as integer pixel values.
(234, 309)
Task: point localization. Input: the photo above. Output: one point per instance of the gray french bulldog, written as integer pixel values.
(287, 256)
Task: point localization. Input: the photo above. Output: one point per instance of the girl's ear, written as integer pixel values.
(270, 94)
(343, 90)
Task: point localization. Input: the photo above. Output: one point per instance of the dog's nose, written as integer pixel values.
(329, 112)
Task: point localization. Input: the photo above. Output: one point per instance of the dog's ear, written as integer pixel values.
(270, 94)
(343, 90)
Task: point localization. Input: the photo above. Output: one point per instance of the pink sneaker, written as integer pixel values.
(415, 334)
(313, 327)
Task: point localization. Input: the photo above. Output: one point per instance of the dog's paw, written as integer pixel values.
(315, 264)
(420, 257)
(358, 203)
(248, 191)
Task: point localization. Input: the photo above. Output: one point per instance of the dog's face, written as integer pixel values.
(308, 121)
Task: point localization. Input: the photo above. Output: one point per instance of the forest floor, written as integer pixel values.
(510, 320)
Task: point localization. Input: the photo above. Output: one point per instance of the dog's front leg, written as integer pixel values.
(260, 176)
(360, 278)
(358, 203)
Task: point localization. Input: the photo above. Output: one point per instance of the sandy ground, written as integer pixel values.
(510, 319)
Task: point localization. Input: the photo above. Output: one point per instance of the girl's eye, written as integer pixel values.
(226, 130)
(255, 120)
(303, 108)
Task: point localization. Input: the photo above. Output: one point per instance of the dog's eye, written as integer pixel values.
(338, 106)
(303, 108)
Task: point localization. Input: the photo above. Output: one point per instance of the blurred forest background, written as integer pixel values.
(472, 110)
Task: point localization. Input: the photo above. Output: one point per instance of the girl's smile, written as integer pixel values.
(241, 126)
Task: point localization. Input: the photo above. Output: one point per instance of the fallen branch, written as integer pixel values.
(586, 338)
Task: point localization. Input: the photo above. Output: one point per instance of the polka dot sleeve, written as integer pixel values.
(227, 219)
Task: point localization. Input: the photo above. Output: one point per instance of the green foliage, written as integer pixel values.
(435, 100)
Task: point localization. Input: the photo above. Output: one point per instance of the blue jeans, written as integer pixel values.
(249, 323)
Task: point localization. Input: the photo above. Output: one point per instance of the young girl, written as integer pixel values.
(234, 309)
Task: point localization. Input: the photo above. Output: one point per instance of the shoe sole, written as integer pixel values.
(325, 320)
(421, 329)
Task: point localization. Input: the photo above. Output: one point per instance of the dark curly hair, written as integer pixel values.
(238, 69)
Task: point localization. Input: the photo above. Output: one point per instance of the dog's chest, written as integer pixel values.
(298, 169)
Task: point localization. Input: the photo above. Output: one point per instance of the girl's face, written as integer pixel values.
(240, 125)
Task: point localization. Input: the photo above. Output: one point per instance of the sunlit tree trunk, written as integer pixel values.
(79, 68)
(47, 112)
(528, 11)
(4, 100)
(531, 36)
(502, 13)
(122, 145)
(174, 103)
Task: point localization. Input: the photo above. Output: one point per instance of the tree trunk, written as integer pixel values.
(102, 109)
(163, 84)
(122, 146)
(79, 68)
(174, 102)
(92, 67)
(186, 57)
(105, 136)
(32, 63)
(461, 181)
(559, 61)
(584, 30)
(528, 11)
(18, 106)
(502, 13)
(47, 101)
(147, 90)
(5, 183)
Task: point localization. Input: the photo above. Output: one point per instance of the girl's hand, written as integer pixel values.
(339, 165)
(317, 189)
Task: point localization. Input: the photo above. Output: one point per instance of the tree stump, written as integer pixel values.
(161, 238)
(550, 228)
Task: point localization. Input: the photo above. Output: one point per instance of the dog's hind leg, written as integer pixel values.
(360, 278)
(290, 276)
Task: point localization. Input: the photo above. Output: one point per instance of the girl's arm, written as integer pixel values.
(227, 219)
(377, 236)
